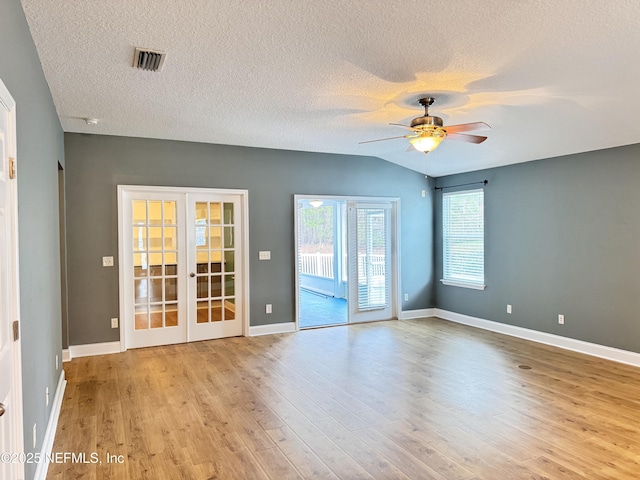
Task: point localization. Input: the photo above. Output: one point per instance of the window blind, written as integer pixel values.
(463, 236)
(372, 257)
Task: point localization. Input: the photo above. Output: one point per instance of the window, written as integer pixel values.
(463, 238)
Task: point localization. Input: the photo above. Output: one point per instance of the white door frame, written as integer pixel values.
(244, 221)
(17, 430)
(395, 247)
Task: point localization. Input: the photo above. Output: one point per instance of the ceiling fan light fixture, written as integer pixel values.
(428, 140)
(428, 131)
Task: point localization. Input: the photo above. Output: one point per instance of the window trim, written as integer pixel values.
(460, 283)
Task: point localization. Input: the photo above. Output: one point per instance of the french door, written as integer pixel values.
(213, 289)
(371, 263)
(182, 264)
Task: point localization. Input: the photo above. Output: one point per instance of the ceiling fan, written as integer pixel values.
(427, 131)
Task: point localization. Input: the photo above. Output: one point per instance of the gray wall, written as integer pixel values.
(97, 164)
(561, 236)
(40, 147)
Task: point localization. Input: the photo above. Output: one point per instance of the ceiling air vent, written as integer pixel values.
(147, 59)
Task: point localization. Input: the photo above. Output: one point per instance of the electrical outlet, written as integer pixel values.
(561, 319)
(34, 435)
(114, 323)
(107, 261)
(424, 193)
(268, 308)
(406, 297)
(46, 394)
(264, 255)
(509, 309)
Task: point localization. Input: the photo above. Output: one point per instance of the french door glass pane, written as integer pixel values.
(202, 287)
(214, 237)
(170, 289)
(202, 312)
(139, 238)
(170, 268)
(214, 213)
(228, 237)
(170, 216)
(230, 309)
(228, 214)
(229, 264)
(155, 270)
(155, 316)
(171, 315)
(216, 286)
(139, 212)
(155, 264)
(155, 212)
(216, 311)
(142, 317)
(201, 212)
(216, 261)
(155, 260)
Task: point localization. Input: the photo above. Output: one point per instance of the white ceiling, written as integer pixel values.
(551, 77)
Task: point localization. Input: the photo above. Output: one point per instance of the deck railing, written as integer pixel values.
(321, 265)
(318, 264)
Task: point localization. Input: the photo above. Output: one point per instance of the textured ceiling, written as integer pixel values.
(550, 77)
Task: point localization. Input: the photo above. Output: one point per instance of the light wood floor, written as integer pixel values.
(415, 399)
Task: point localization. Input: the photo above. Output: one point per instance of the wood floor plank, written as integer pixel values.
(276, 464)
(342, 464)
(370, 459)
(300, 455)
(407, 463)
(412, 399)
(400, 432)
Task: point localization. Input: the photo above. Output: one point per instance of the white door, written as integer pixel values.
(154, 262)
(371, 266)
(214, 263)
(182, 262)
(10, 375)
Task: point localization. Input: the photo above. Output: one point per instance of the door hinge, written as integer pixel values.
(16, 331)
(12, 168)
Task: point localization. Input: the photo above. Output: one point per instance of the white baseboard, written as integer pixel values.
(593, 349)
(66, 355)
(50, 433)
(413, 314)
(92, 349)
(287, 327)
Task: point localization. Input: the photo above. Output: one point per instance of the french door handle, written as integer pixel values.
(192, 274)
(2, 409)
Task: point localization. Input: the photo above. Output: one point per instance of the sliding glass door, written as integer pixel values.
(347, 260)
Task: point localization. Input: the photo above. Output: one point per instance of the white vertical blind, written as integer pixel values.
(463, 236)
(372, 248)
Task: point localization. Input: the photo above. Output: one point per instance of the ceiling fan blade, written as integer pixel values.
(463, 137)
(467, 127)
(403, 126)
(382, 139)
